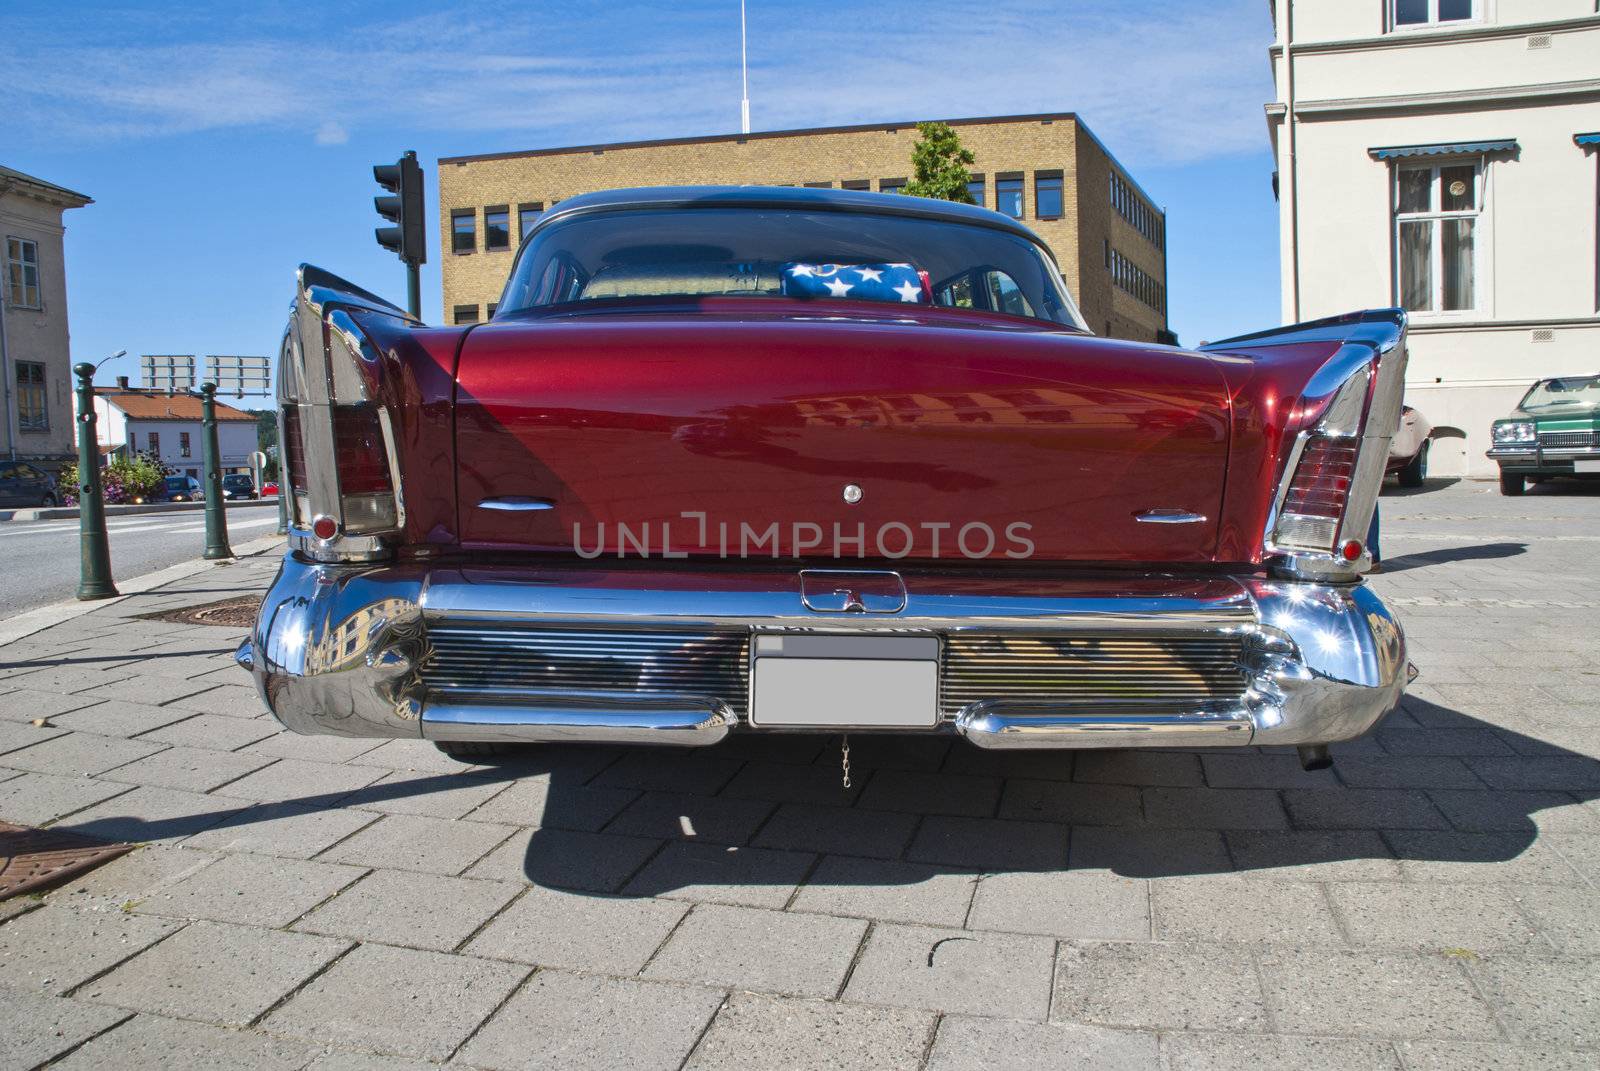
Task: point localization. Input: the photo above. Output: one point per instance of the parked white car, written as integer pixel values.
(1408, 450)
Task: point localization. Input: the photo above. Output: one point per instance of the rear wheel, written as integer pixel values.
(48, 501)
(1511, 483)
(1415, 474)
(473, 750)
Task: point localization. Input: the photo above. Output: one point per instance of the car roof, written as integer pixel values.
(785, 197)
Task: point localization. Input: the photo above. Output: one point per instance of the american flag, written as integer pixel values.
(862, 282)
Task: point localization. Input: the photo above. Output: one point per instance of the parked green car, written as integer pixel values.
(1554, 431)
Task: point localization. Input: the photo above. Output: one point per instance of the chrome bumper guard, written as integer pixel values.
(345, 650)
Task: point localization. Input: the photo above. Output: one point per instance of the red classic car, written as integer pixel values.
(743, 460)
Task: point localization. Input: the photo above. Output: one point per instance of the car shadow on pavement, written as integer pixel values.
(1476, 552)
(1429, 486)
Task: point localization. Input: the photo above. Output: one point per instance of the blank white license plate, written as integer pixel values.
(1586, 466)
(845, 682)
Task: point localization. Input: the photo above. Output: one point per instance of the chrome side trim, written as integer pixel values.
(1169, 516)
(517, 504)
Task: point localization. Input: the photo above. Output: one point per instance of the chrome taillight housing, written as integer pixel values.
(336, 431)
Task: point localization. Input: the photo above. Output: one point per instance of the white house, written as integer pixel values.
(1441, 155)
(168, 426)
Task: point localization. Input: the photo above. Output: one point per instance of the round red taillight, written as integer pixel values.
(324, 528)
(1351, 551)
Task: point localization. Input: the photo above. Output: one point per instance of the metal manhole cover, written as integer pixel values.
(33, 859)
(237, 612)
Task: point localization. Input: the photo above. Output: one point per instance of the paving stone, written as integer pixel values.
(1571, 773)
(1472, 857)
(888, 891)
(416, 842)
(711, 819)
(581, 1022)
(191, 769)
(252, 890)
(216, 972)
(430, 795)
(1568, 916)
(1581, 851)
(1157, 986)
(26, 704)
(151, 814)
(889, 752)
(555, 804)
(283, 829)
(1141, 853)
(580, 931)
(1381, 994)
(55, 949)
(1547, 1001)
(1459, 742)
(965, 1043)
(78, 755)
(783, 782)
(146, 687)
(960, 971)
(990, 844)
(355, 1002)
(842, 830)
(76, 679)
(215, 732)
(567, 859)
(121, 718)
(724, 874)
(755, 1031)
(298, 781)
(1362, 808)
(150, 1041)
(1226, 1052)
(917, 792)
(746, 948)
(415, 756)
(1077, 903)
(669, 770)
(1408, 772)
(1045, 765)
(229, 700)
(33, 799)
(131, 877)
(35, 1029)
(1485, 1056)
(1078, 804)
(311, 748)
(1249, 769)
(365, 1061)
(399, 907)
(1176, 769)
(1477, 918)
(1214, 808)
(1313, 855)
(17, 735)
(1199, 909)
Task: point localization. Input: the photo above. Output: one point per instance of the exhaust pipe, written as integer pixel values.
(1315, 757)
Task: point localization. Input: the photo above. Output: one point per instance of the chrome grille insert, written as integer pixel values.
(1568, 440)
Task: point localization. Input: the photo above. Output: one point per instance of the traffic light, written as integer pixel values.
(408, 238)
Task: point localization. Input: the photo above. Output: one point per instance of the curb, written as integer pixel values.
(40, 618)
(60, 513)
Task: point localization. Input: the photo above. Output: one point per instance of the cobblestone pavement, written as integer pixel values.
(310, 902)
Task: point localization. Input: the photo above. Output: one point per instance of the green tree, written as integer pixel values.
(939, 162)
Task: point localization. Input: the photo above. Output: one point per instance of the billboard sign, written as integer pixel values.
(169, 372)
(238, 375)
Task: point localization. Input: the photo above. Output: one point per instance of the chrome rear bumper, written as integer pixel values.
(645, 655)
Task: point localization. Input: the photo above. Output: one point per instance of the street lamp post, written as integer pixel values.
(216, 519)
(94, 547)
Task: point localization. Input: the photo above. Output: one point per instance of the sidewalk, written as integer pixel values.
(329, 903)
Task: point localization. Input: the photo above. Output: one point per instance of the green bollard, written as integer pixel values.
(94, 548)
(283, 502)
(216, 518)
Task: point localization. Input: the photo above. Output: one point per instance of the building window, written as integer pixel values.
(497, 227)
(155, 442)
(1140, 215)
(975, 190)
(1047, 195)
(489, 310)
(527, 215)
(22, 273)
(463, 230)
(1008, 195)
(856, 184)
(1131, 279)
(819, 185)
(183, 444)
(1436, 231)
(1432, 12)
(891, 185)
(33, 410)
(465, 314)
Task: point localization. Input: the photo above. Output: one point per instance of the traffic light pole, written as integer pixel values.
(94, 547)
(414, 289)
(216, 519)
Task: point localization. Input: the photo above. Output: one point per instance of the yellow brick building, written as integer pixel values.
(1050, 171)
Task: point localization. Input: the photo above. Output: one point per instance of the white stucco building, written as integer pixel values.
(1441, 155)
(137, 420)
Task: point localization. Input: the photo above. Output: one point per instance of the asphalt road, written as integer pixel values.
(39, 559)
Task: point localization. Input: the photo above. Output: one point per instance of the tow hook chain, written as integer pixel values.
(844, 758)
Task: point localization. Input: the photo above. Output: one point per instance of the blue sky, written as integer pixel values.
(224, 147)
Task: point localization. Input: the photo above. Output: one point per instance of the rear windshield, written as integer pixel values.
(800, 254)
(236, 481)
(1572, 392)
(177, 483)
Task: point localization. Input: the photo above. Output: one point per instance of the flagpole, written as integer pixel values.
(744, 74)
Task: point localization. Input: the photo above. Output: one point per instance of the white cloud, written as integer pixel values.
(331, 133)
